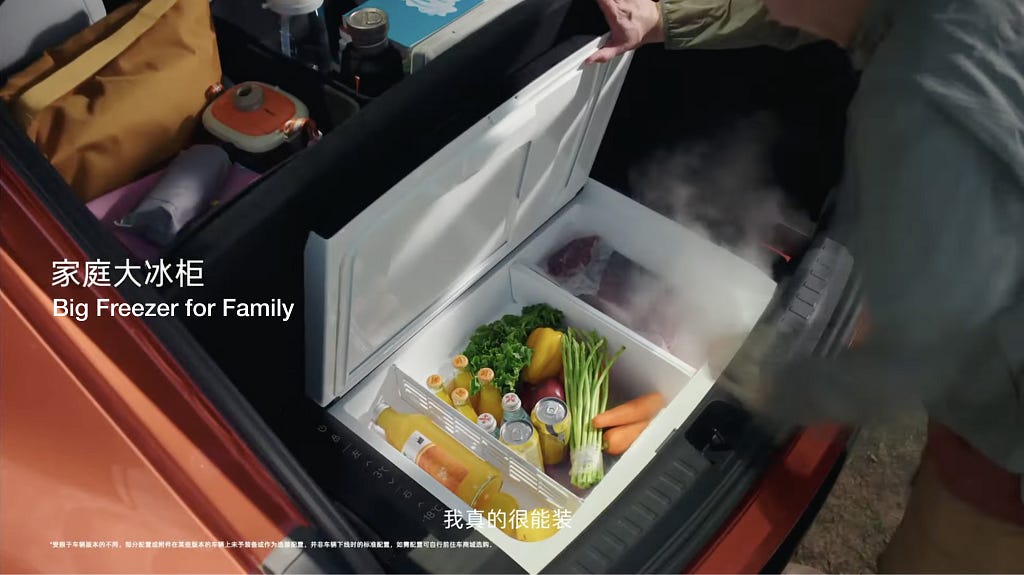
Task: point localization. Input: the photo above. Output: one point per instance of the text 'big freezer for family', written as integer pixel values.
(80, 311)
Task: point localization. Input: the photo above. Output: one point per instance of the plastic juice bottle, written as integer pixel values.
(500, 510)
(472, 479)
(540, 524)
(460, 400)
(462, 378)
(490, 397)
(436, 385)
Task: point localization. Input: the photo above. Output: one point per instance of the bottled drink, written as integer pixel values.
(490, 397)
(500, 511)
(369, 64)
(472, 479)
(460, 400)
(512, 408)
(487, 423)
(436, 385)
(303, 32)
(462, 378)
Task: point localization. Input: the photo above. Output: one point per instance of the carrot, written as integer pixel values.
(634, 410)
(618, 439)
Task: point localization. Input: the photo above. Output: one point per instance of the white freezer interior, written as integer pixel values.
(710, 273)
(394, 295)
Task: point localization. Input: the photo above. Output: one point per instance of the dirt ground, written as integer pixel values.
(866, 504)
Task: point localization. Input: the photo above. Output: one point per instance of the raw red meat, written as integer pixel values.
(650, 304)
(618, 276)
(573, 257)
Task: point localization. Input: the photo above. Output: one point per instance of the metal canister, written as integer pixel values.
(520, 437)
(370, 64)
(487, 423)
(552, 419)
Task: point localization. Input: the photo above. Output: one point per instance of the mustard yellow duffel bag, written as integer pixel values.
(120, 97)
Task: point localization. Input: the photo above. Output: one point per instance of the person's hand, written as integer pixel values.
(633, 23)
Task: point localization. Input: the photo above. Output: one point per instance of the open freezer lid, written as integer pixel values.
(395, 266)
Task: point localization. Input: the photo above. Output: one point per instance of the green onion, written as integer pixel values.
(586, 366)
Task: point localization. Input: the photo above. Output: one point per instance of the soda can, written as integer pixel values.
(552, 419)
(487, 423)
(520, 437)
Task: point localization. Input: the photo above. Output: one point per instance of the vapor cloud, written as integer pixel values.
(722, 187)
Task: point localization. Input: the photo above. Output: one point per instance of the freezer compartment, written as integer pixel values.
(694, 301)
(400, 383)
(643, 368)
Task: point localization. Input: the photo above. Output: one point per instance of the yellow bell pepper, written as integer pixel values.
(546, 362)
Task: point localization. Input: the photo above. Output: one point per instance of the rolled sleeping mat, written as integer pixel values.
(185, 191)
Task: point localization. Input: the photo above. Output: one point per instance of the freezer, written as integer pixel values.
(465, 239)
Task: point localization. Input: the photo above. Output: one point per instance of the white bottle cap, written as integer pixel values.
(487, 422)
(293, 7)
(511, 402)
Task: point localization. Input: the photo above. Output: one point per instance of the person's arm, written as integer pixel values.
(937, 238)
(725, 24)
(693, 24)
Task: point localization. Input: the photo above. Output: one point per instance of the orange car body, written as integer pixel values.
(112, 460)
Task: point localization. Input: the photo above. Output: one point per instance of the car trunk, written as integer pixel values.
(433, 210)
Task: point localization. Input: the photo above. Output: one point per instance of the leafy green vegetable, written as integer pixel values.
(501, 345)
(541, 315)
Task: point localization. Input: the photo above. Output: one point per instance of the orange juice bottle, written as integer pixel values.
(460, 400)
(500, 510)
(435, 384)
(461, 378)
(449, 462)
(490, 397)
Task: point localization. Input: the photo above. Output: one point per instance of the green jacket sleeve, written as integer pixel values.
(725, 24)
